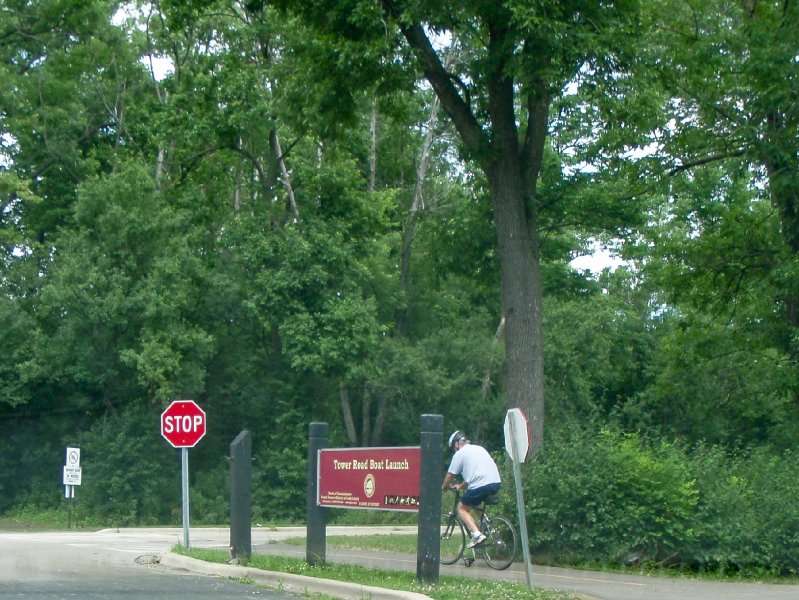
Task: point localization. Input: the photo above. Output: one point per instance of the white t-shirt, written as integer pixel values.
(475, 465)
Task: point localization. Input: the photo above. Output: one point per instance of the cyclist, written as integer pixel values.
(480, 478)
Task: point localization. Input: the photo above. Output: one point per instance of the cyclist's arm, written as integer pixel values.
(447, 481)
(447, 484)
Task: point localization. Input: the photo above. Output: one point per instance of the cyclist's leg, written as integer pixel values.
(453, 539)
(473, 497)
(465, 514)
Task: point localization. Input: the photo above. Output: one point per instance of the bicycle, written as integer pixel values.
(499, 548)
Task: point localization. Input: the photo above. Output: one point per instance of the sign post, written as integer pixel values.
(390, 478)
(315, 517)
(517, 443)
(72, 477)
(183, 425)
(428, 547)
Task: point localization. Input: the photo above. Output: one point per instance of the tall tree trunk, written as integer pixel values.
(512, 170)
(284, 175)
(346, 412)
(373, 148)
(380, 418)
(521, 297)
(366, 416)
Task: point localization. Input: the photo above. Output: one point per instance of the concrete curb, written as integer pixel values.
(298, 584)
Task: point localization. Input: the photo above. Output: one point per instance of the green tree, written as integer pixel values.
(67, 81)
(730, 70)
(600, 345)
(516, 59)
(720, 250)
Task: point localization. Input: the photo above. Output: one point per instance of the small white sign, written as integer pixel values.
(72, 475)
(517, 434)
(73, 457)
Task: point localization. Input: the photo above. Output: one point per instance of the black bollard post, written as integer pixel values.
(241, 496)
(428, 536)
(315, 540)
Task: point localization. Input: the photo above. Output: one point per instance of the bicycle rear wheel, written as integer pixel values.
(500, 546)
(453, 539)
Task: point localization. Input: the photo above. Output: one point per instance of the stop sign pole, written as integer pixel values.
(183, 425)
(517, 443)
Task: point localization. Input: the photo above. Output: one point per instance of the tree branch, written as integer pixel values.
(456, 107)
(705, 160)
(538, 102)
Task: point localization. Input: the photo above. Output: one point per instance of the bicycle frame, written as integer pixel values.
(501, 543)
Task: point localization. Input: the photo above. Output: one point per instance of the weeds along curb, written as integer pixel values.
(288, 582)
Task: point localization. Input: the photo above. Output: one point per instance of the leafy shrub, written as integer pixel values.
(748, 514)
(599, 496)
(278, 481)
(605, 496)
(280, 484)
(210, 496)
(125, 482)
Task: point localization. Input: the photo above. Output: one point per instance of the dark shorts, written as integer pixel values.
(473, 497)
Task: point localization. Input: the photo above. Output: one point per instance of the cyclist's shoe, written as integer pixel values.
(476, 540)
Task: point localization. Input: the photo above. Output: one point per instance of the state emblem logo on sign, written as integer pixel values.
(369, 485)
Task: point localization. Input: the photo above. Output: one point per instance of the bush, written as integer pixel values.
(604, 496)
(209, 497)
(748, 515)
(126, 482)
(280, 484)
(597, 496)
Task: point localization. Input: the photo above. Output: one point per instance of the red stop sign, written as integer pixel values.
(183, 423)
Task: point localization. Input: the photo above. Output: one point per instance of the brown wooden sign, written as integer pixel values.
(369, 478)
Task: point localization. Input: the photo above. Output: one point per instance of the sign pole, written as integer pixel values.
(184, 471)
(517, 478)
(183, 425)
(70, 493)
(72, 477)
(315, 516)
(241, 496)
(428, 545)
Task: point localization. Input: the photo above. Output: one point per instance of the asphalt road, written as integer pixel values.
(82, 559)
(78, 565)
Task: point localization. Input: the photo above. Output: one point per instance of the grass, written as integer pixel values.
(448, 588)
(24, 519)
(382, 543)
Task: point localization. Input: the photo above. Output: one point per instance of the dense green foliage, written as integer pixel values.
(595, 496)
(285, 228)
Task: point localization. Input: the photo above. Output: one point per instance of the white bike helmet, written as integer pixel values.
(456, 436)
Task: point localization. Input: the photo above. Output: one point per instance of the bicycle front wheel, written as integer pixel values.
(453, 539)
(501, 543)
